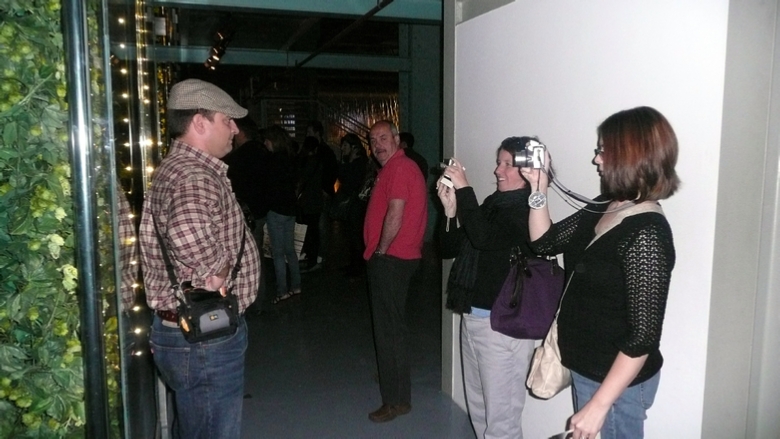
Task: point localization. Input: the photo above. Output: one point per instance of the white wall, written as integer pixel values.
(742, 387)
(556, 69)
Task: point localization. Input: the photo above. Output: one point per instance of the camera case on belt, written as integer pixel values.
(206, 315)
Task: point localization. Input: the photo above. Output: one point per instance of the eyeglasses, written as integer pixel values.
(599, 150)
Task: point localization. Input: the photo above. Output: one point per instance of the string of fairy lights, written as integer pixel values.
(140, 88)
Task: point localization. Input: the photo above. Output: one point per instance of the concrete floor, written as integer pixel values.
(310, 370)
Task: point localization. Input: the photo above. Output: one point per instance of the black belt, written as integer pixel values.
(168, 316)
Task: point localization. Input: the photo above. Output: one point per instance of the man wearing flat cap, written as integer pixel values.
(192, 207)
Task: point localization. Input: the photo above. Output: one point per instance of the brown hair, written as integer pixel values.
(279, 138)
(639, 155)
(179, 120)
(353, 140)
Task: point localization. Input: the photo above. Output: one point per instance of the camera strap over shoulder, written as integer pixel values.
(175, 284)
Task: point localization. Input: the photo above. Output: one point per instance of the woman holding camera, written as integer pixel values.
(619, 255)
(482, 237)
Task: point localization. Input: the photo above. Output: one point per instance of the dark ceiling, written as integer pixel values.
(293, 32)
(281, 33)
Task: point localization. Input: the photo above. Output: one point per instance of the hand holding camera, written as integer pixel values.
(534, 164)
(453, 175)
(533, 156)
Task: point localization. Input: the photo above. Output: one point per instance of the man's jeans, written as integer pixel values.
(626, 417)
(207, 379)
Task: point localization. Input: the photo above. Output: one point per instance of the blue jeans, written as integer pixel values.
(207, 379)
(259, 236)
(281, 230)
(626, 418)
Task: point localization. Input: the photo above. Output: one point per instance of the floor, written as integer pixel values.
(311, 372)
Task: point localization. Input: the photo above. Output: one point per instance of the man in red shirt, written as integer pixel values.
(393, 230)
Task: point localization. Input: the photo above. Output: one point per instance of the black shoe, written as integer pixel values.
(308, 266)
(389, 412)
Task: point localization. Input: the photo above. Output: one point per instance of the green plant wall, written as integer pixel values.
(41, 377)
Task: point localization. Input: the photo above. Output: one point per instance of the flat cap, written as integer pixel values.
(192, 94)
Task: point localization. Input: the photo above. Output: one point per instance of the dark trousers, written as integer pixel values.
(353, 225)
(311, 243)
(389, 279)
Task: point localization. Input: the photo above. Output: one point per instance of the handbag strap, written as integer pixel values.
(520, 261)
(169, 266)
(644, 207)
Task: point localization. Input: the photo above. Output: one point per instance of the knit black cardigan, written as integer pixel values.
(616, 299)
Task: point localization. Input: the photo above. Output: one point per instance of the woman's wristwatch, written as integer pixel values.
(378, 253)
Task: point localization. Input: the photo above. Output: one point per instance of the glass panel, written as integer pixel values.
(103, 181)
(132, 80)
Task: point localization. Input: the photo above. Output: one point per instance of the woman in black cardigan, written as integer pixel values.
(481, 237)
(609, 326)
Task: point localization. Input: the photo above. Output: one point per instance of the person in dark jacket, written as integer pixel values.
(246, 165)
(611, 316)
(247, 171)
(482, 237)
(311, 202)
(282, 177)
(407, 144)
(330, 168)
(347, 205)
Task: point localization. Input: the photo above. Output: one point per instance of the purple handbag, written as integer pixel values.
(528, 300)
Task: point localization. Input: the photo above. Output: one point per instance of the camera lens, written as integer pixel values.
(522, 158)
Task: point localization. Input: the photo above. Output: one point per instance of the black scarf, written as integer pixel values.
(460, 284)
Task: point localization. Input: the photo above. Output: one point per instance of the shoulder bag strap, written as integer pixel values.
(166, 259)
(237, 267)
(647, 206)
(518, 262)
(169, 265)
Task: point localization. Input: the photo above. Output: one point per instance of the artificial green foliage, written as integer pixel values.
(41, 376)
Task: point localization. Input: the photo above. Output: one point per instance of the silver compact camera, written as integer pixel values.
(449, 162)
(530, 157)
(445, 179)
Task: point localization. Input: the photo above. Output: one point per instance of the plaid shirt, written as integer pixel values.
(201, 223)
(128, 253)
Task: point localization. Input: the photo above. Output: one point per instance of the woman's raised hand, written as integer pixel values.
(447, 196)
(536, 177)
(457, 174)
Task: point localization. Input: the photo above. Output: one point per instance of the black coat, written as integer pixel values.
(492, 230)
(247, 171)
